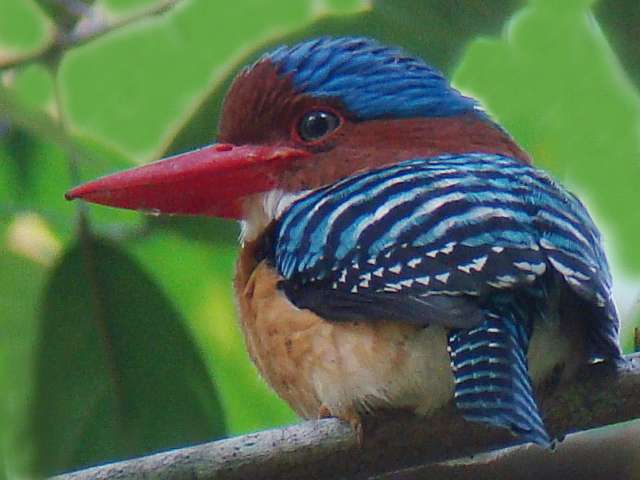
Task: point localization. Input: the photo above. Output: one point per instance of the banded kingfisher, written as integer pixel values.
(399, 249)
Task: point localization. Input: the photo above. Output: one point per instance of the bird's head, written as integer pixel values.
(306, 116)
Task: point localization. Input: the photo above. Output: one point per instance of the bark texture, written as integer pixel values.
(399, 445)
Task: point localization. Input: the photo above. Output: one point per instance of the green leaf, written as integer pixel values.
(126, 8)
(33, 86)
(567, 103)
(620, 20)
(439, 31)
(25, 30)
(37, 174)
(134, 88)
(214, 231)
(20, 284)
(16, 152)
(198, 277)
(117, 375)
(7, 185)
(37, 154)
(32, 120)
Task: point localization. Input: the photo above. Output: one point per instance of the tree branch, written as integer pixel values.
(399, 442)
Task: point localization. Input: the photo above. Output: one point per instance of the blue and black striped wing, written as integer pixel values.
(473, 242)
(423, 240)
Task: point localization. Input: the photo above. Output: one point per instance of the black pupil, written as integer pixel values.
(316, 125)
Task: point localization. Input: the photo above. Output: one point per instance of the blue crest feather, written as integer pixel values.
(371, 80)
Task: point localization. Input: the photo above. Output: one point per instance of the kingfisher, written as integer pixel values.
(398, 249)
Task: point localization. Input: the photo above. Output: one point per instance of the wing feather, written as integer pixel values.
(425, 241)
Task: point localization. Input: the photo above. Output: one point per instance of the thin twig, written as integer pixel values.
(393, 443)
(75, 8)
(96, 24)
(92, 25)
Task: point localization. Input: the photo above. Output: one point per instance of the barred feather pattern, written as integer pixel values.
(371, 79)
(475, 242)
(457, 224)
(453, 224)
(492, 383)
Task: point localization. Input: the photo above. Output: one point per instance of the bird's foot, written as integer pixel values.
(351, 416)
(324, 412)
(356, 423)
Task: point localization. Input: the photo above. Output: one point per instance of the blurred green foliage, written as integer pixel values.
(105, 318)
(118, 335)
(25, 30)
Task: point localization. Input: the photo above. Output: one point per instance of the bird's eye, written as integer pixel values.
(315, 125)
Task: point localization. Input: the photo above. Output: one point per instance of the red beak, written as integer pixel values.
(210, 181)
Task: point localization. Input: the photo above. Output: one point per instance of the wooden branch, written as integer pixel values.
(604, 453)
(399, 442)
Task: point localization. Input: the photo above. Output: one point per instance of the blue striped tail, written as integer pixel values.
(492, 383)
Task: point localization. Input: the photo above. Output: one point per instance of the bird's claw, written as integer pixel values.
(350, 416)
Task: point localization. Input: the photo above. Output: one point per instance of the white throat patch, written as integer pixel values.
(263, 208)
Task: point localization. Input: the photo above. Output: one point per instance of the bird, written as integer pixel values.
(399, 249)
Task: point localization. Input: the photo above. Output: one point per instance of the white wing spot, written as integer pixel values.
(448, 248)
(574, 282)
(443, 277)
(414, 262)
(423, 281)
(566, 271)
(465, 268)
(397, 268)
(379, 272)
(392, 287)
(536, 268)
(343, 276)
(476, 264)
(497, 249)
